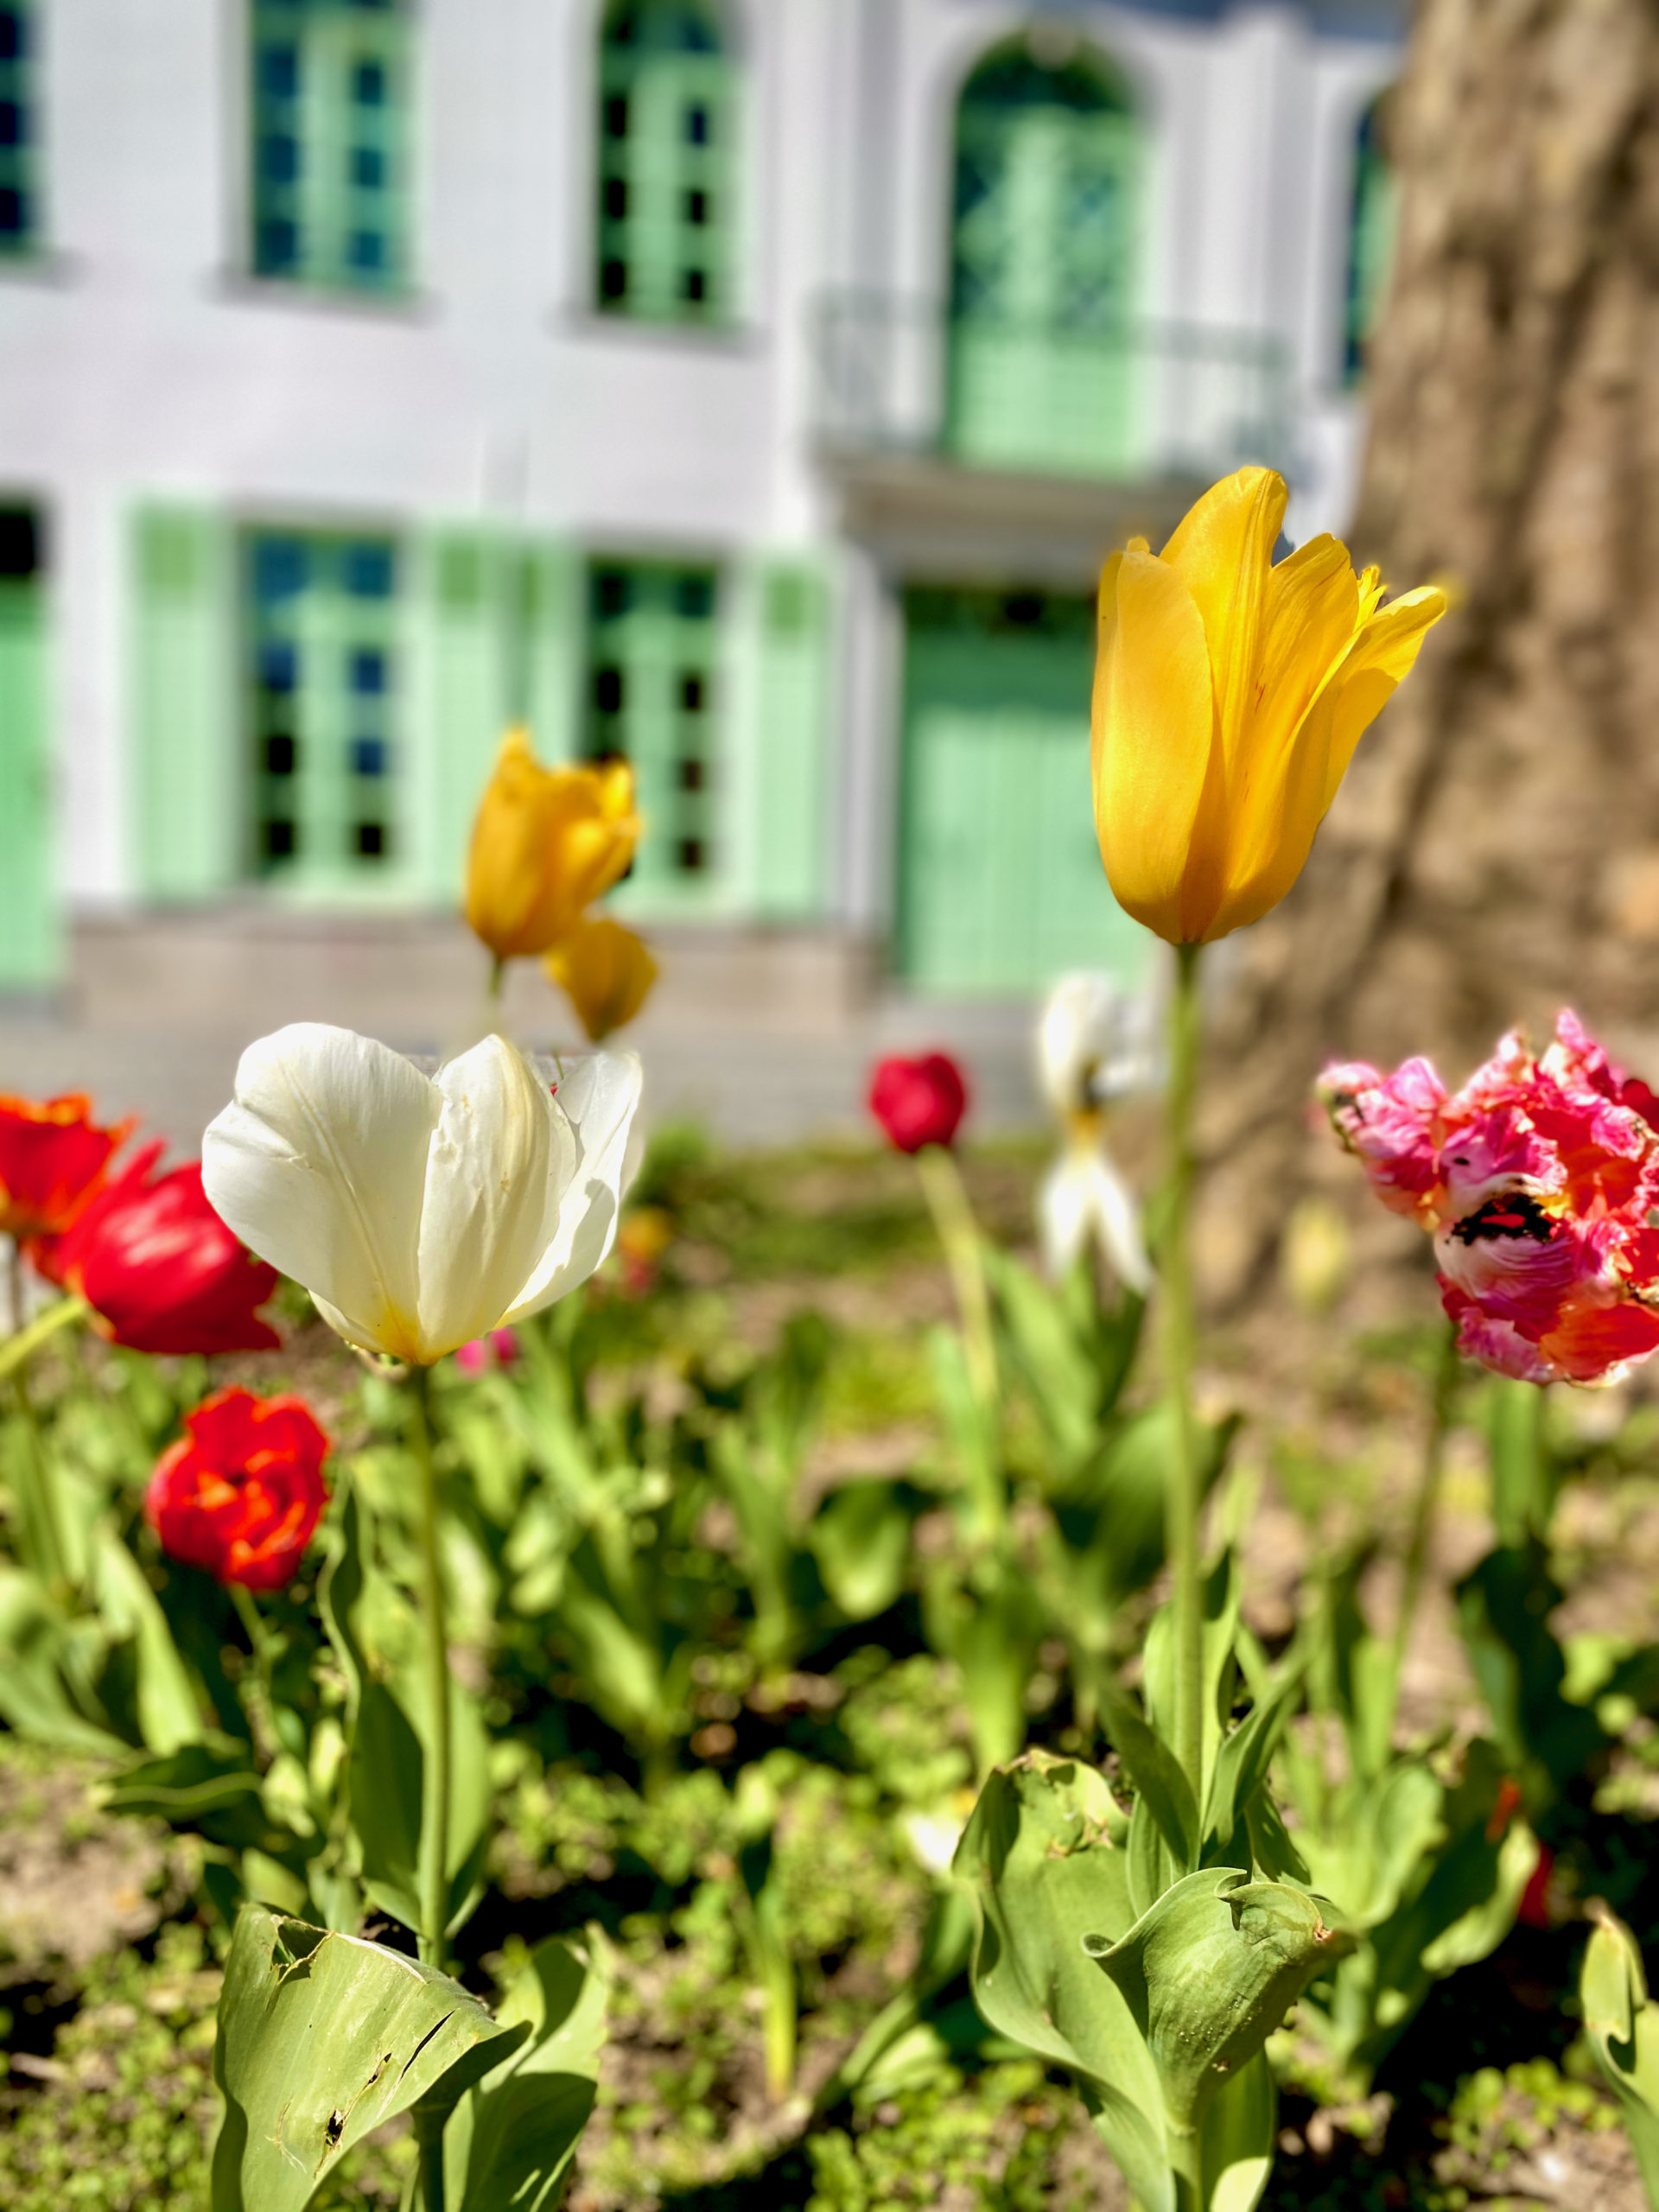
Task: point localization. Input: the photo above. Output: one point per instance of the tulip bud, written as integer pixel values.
(919, 1102)
(546, 843)
(604, 971)
(1229, 697)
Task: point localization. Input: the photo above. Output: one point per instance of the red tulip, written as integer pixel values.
(159, 1269)
(1532, 1911)
(919, 1102)
(52, 1160)
(240, 1493)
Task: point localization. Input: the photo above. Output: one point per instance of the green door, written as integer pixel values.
(1001, 883)
(1043, 368)
(31, 945)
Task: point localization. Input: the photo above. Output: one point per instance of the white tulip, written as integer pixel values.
(1089, 1043)
(1088, 1054)
(421, 1212)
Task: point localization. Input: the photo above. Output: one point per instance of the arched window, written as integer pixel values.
(667, 171)
(1370, 236)
(1045, 250)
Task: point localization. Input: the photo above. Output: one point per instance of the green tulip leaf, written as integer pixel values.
(1211, 1970)
(1623, 2025)
(515, 2134)
(861, 1538)
(1038, 1851)
(322, 2039)
(1155, 1771)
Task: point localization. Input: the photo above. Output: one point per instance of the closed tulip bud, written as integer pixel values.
(604, 971)
(546, 843)
(920, 1102)
(1230, 695)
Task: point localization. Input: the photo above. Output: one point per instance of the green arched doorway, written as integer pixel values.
(1045, 262)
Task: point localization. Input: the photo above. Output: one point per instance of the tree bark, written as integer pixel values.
(1494, 852)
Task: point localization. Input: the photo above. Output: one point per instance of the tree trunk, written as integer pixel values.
(1494, 852)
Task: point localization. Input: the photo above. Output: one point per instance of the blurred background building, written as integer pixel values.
(749, 386)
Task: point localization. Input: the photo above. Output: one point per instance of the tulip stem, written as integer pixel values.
(1175, 1283)
(1422, 1523)
(261, 1714)
(41, 1505)
(435, 1902)
(958, 1233)
(22, 1342)
(498, 977)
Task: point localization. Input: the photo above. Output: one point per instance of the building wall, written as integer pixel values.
(139, 364)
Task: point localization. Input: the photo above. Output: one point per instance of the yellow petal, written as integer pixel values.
(546, 843)
(1152, 723)
(1223, 549)
(1380, 657)
(605, 971)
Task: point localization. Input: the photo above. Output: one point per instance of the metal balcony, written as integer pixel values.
(1129, 403)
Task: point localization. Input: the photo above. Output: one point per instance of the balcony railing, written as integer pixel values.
(1127, 403)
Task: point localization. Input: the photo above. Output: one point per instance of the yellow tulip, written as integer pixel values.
(604, 971)
(1229, 697)
(546, 843)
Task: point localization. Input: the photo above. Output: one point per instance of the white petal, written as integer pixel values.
(1063, 1213)
(500, 1159)
(318, 1164)
(600, 1094)
(1081, 1031)
(1117, 1226)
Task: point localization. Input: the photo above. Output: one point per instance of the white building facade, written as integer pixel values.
(749, 386)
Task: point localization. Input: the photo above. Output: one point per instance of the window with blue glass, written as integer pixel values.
(20, 170)
(652, 663)
(665, 237)
(330, 93)
(322, 702)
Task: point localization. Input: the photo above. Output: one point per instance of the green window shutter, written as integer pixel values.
(777, 763)
(666, 186)
(462, 619)
(331, 93)
(185, 724)
(21, 211)
(31, 941)
(550, 644)
(1046, 252)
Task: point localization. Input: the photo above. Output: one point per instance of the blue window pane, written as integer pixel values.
(368, 168)
(368, 671)
(279, 72)
(279, 567)
(14, 124)
(368, 571)
(369, 756)
(367, 250)
(279, 244)
(14, 35)
(697, 597)
(369, 84)
(279, 667)
(280, 159)
(13, 212)
(697, 126)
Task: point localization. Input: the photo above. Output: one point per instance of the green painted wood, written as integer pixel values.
(548, 689)
(21, 178)
(186, 788)
(1001, 884)
(31, 936)
(463, 630)
(325, 675)
(330, 96)
(791, 759)
(666, 181)
(1046, 252)
(1370, 238)
(653, 696)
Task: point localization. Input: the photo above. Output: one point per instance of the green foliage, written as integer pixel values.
(1622, 2024)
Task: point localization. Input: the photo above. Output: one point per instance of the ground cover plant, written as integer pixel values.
(535, 1673)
